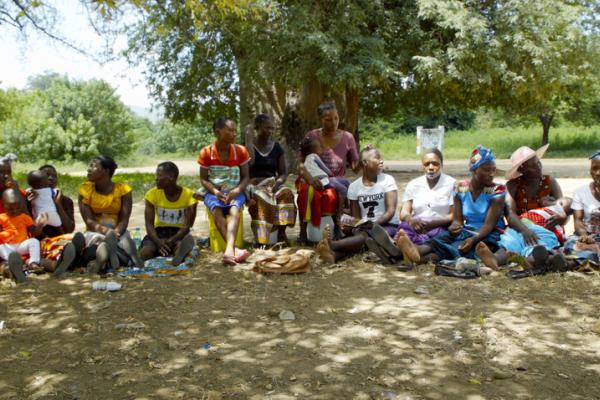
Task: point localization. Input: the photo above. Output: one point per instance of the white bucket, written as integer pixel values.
(315, 233)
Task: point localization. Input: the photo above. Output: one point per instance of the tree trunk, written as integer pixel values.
(258, 96)
(546, 120)
(352, 110)
(301, 114)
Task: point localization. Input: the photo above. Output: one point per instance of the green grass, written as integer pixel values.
(565, 141)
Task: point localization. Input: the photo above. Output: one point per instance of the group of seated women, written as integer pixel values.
(439, 218)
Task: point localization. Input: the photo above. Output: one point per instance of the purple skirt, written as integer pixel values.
(420, 238)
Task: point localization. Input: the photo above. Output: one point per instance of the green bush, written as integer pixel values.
(68, 120)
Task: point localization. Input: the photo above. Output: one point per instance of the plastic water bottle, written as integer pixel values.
(136, 235)
(108, 286)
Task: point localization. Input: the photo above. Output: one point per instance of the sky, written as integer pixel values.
(36, 54)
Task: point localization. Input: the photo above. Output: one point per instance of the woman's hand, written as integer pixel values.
(31, 195)
(531, 239)
(220, 196)
(231, 195)
(417, 225)
(467, 244)
(164, 247)
(316, 183)
(58, 197)
(455, 228)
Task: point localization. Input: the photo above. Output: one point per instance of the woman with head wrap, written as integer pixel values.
(478, 214)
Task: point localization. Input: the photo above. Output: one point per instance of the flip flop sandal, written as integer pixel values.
(466, 274)
(526, 273)
(374, 247)
(67, 258)
(385, 241)
(15, 265)
(229, 260)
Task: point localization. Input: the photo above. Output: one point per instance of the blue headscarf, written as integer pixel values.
(481, 156)
(596, 155)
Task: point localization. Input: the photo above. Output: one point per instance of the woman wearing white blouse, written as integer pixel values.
(427, 203)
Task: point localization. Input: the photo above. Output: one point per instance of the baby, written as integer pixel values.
(43, 202)
(310, 150)
(15, 229)
(543, 216)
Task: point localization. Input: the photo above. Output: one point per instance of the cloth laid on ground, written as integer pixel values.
(161, 266)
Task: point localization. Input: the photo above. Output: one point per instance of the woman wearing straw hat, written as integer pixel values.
(528, 188)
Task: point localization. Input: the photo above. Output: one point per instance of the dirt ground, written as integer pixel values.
(361, 331)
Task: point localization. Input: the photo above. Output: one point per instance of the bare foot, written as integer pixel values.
(324, 246)
(486, 255)
(35, 268)
(408, 248)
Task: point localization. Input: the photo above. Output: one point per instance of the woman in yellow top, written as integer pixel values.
(170, 212)
(105, 207)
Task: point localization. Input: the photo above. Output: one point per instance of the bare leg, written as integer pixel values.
(148, 251)
(302, 237)
(220, 221)
(129, 246)
(410, 252)
(331, 251)
(489, 259)
(281, 236)
(232, 227)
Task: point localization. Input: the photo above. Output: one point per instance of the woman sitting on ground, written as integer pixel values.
(60, 248)
(271, 205)
(427, 203)
(170, 211)
(528, 189)
(373, 200)
(339, 149)
(586, 210)
(105, 207)
(224, 175)
(478, 218)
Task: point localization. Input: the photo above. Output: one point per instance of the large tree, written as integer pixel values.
(284, 57)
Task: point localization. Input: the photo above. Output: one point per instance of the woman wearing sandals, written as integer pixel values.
(224, 174)
(373, 200)
(105, 207)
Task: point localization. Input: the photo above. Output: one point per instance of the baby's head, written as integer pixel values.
(37, 179)
(565, 203)
(309, 146)
(12, 202)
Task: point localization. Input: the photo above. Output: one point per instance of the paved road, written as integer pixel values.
(558, 167)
